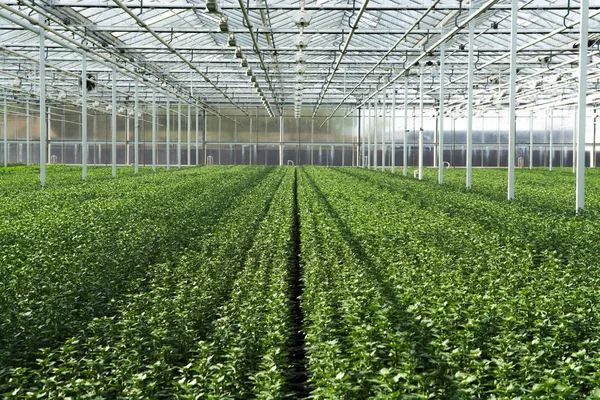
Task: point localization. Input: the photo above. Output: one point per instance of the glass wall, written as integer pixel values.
(237, 138)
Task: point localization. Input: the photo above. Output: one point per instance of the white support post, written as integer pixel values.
(551, 139)
(127, 141)
(136, 130)
(197, 142)
(531, 140)
(5, 129)
(153, 130)
(179, 134)
(168, 134)
(441, 115)
(575, 142)
(84, 132)
(28, 133)
(470, 84)
(343, 137)
(405, 138)
(250, 138)
(312, 139)
(219, 134)
(394, 129)
(513, 100)
(43, 107)
(375, 110)
(363, 127)
(48, 136)
(369, 129)
(204, 131)
(189, 135)
(421, 128)
(113, 122)
(383, 132)
(281, 140)
(581, 110)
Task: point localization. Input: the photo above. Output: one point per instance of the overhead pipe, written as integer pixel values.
(289, 31)
(282, 7)
(342, 54)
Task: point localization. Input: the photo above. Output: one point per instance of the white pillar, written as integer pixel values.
(153, 130)
(383, 133)
(168, 134)
(513, 100)
(531, 140)
(312, 139)
(250, 138)
(5, 132)
(113, 122)
(189, 135)
(48, 131)
(42, 107)
(179, 134)
(136, 131)
(363, 127)
(375, 110)
(551, 139)
(441, 117)
(369, 129)
(581, 111)
(28, 133)
(470, 84)
(421, 128)
(281, 140)
(84, 132)
(394, 129)
(197, 142)
(575, 123)
(405, 138)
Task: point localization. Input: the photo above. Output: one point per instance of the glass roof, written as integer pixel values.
(245, 53)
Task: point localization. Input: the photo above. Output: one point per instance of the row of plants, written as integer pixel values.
(213, 322)
(478, 297)
(83, 248)
(249, 354)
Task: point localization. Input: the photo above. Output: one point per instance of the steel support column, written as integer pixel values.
(581, 110)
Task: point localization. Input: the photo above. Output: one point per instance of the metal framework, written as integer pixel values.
(459, 58)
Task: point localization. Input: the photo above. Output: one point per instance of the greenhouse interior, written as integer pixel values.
(275, 199)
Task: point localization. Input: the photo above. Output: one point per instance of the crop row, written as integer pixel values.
(213, 322)
(468, 296)
(64, 266)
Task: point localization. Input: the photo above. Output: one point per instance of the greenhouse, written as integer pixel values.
(329, 199)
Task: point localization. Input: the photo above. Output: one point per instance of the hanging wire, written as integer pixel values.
(567, 14)
(141, 8)
(248, 12)
(352, 15)
(459, 13)
(426, 42)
